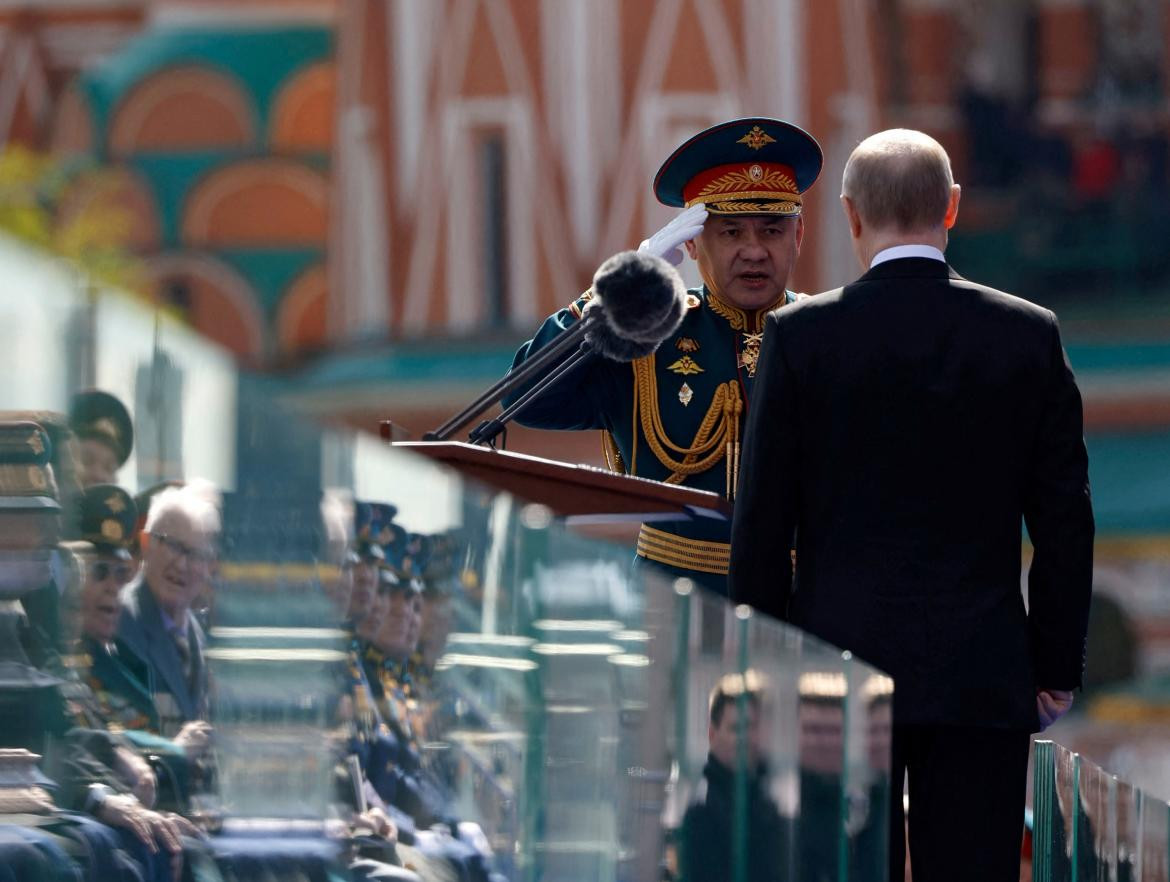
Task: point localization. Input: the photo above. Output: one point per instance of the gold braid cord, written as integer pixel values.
(613, 456)
(717, 438)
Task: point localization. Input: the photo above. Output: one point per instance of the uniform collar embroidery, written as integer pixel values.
(740, 319)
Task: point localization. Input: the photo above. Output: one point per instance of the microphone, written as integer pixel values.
(639, 300)
(642, 300)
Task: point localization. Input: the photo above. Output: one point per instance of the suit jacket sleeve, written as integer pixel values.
(766, 502)
(1059, 516)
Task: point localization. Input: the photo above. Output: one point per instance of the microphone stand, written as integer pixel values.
(516, 378)
(486, 432)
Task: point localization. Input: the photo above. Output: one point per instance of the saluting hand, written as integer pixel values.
(685, 226)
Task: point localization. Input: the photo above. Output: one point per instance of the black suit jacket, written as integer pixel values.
(900, 429)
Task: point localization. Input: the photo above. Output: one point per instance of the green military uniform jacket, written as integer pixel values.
(673, 416)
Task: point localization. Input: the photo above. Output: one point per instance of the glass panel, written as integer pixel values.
(1127, 824)
(382, 634)
(1155, 851)
(1096, 837)
(1063, 815)
(1044, 815)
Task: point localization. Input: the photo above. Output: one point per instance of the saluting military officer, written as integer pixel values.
(676, 415)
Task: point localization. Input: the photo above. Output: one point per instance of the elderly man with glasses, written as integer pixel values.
(157, 620)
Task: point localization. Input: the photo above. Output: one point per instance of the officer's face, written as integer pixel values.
(178, 561)
(104, 577)
(372, 620)
(99, 465)
(399, 633)
(365, 583)
(747, 260)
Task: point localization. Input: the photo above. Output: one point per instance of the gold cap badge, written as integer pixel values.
(756, 138)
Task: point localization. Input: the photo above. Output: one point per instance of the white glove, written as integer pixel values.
(685, 226)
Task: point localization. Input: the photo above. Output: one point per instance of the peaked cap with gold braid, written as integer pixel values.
(755, 165)
(99, 415)
(109, 519)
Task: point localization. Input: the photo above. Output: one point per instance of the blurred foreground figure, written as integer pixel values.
(922, 418)
(709, 829)
(157, 622)
(105, 435)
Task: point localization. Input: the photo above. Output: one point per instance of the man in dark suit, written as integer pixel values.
(156, 620)
(900, 429)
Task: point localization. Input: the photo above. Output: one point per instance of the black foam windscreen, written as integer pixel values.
(606, 342)
(644, 297)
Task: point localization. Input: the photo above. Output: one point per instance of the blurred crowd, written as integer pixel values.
(106, 682)
(1086, 204)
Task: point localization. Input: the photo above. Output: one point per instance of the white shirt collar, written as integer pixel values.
(900, 251)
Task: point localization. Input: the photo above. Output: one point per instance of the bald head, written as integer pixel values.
(899, 180)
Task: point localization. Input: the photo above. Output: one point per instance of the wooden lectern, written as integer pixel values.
(580, 493)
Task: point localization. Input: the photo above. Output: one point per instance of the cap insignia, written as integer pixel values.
(106, 426)
(756, 138)
(755, 172)
(112, 530)
(115, 504)
(37, 445)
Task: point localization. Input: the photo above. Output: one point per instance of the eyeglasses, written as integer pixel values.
(101, 571)
(182, 549)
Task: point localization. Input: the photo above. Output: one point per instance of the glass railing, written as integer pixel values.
(1089, 826)
(397, 667)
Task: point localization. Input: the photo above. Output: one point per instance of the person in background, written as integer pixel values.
(105, 435)
(708, 833)
(157, 621)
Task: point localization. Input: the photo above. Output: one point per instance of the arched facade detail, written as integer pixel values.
(183, 108)
(302, 117)
(126, 192)
(301, 322)
(221, 304)
(262, 203)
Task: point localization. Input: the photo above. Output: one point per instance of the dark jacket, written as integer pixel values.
(901, 428)
(706, 840)
(142, 628)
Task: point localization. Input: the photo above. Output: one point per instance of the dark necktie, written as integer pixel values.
(183, 644)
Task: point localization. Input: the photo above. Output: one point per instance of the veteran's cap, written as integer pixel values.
(26, 475)
(108, 519)
(755, 165)
(100, 416)
(367, 530)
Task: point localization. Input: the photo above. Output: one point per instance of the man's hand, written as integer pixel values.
(1052, 704)
(136, 774)
(126, 812)
(194, 738)
(156, 831)
(665, 243)
(378, 823)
